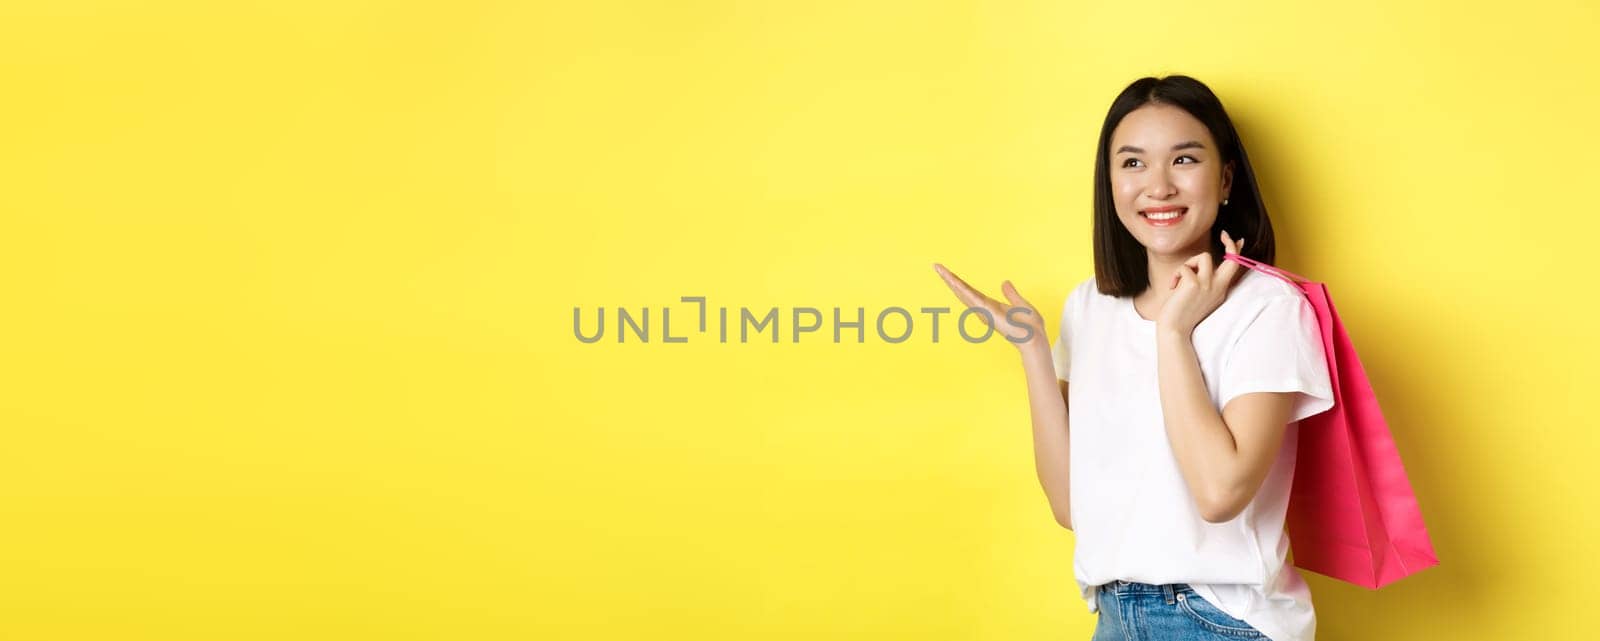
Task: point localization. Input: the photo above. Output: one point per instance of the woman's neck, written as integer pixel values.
(1160, 268)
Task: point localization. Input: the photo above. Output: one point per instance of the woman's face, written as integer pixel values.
(1162, 158)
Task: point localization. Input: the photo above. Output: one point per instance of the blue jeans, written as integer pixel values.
(1132, 611)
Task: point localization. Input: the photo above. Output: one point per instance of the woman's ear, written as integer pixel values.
(1227, 179)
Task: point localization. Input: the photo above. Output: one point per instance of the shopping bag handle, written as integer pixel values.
(1293, 278)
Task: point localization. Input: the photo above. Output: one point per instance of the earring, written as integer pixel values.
(1224, 201)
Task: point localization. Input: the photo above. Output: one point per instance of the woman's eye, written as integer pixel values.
(1130, 162)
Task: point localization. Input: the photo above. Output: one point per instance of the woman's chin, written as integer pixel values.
(1170, 248)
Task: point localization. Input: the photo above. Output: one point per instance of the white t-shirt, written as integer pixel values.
(1132, 511)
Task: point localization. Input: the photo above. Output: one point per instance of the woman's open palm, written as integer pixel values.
(1020, 328)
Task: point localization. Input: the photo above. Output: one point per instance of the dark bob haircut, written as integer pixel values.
(1120, 264)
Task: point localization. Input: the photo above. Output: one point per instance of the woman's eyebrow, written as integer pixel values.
(1187, 144)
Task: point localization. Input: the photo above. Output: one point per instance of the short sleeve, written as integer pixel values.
(1280, 351)
(1061, 351)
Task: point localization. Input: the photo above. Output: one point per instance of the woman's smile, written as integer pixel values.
(1163, 216)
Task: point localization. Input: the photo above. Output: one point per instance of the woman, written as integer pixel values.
(1189, 374)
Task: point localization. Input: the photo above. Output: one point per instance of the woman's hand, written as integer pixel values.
(1200, 289)
(1025, 329)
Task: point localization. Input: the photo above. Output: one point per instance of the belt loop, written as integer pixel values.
(1167, 591)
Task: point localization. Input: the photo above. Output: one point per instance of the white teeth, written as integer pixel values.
(1169, 215)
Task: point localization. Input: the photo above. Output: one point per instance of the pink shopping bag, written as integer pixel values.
(1352, 515)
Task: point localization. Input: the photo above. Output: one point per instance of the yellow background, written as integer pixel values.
(288, 289)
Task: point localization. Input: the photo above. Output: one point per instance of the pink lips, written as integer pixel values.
(1164, 223)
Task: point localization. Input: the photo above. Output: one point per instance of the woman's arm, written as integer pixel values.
(1047, 395)
(1047, 401)
(1223, 457)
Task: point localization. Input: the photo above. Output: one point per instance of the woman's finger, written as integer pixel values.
(1229, 269)
(1228, 272)
(1203, 267)
(1184, 275)
(1014, 296)
(962, 290)
(1199, 264)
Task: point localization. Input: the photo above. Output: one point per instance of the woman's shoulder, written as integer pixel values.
(1085, 287)
(1085, 294)
(1257, 288)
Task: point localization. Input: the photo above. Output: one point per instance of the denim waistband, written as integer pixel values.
(1134, 587)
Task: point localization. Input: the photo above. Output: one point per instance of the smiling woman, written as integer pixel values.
(1168, 146)
(1187, 382)
(1192, 400)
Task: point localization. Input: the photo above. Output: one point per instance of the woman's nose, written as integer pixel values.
(1161, 186)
